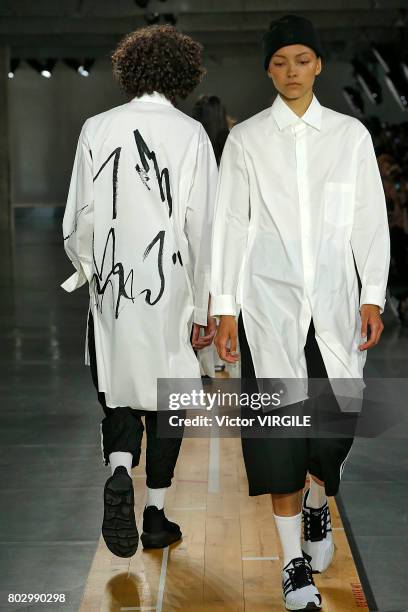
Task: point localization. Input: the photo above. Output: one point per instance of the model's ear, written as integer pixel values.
(268, 72)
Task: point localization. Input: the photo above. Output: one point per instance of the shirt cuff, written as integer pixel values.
(76, 280)
(200, 316)
(224, 305)
(372, 294)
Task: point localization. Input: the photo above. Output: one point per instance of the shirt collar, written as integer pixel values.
(285, 116)
(155, 97)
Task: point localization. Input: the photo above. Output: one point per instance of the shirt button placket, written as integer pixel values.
(299, 130)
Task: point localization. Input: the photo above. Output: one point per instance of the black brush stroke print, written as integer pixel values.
(116, 272)
(146, 154)
(76, 222)
(116, 155)
(176, 256)
(159, 237)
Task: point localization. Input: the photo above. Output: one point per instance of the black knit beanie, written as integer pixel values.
(290, 30)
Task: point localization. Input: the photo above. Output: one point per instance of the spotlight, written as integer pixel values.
(398, 87)
(170, 18)
(82, 67)
(383, 56)
(85, 68)
(404, 68)
(395, 68)
(152, 18)
(142, 3)
(393, 64)
(354, 100)
(44, 68)
(368, 82)
(14, 63)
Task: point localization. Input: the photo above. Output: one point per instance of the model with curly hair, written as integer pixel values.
(158, 58)
(137, 228)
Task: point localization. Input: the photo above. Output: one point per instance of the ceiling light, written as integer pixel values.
(354, 100)
(45, 68)
(368, 82)
(13, 67)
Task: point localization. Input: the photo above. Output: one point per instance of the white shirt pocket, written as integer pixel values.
(338, 203)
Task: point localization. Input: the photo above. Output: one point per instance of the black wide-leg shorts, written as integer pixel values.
(280, 464)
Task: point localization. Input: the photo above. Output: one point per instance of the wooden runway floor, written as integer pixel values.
(228, 559)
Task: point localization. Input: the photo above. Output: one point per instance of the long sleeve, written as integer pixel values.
(77, 224)
(198, 224)
(370, 238)
(230, 229)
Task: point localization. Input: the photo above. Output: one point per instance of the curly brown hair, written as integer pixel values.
(158, 58)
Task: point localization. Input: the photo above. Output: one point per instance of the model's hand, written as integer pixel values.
(227, 331)
(370, 317)
(198, 342)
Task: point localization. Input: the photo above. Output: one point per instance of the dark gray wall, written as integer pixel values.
(46, 114)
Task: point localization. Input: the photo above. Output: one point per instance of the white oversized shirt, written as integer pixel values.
(298, 199)
(137, 227)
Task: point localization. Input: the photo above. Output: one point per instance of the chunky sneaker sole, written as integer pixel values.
(319, 553)
(160, 539)
(299, 589)
(309, 606)
(158, 531)
(119, 524)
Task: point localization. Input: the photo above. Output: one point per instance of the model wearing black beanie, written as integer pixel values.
(287, 216)
(290, 30)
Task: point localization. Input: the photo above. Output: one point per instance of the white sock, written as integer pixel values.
(290, 530)
(155, 497)
(121, 458)
(316, 496)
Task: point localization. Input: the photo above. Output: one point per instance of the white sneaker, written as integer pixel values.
(317, 534)
(299, 590)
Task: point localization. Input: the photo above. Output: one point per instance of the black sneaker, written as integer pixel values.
(119, 524)
(158, 531)
(299, 590)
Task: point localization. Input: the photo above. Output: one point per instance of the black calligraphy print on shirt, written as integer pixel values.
(176, 256)
(113, 277)
(162, 177)
(158, 238)
(116, 155)
(144, 177)
(74, 229)
(147, 155)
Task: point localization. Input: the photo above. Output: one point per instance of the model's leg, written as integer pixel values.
(120, 458)
(121, 436)
(288, 520)
(317, 493)
(161, 458)
(318, 537)
(121, 433)
(279, 466)
(326, 462)
(155, 497)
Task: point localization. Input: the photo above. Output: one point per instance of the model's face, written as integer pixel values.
(293, 70)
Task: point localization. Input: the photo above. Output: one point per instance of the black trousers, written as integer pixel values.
(122, 430)
(280, 465)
